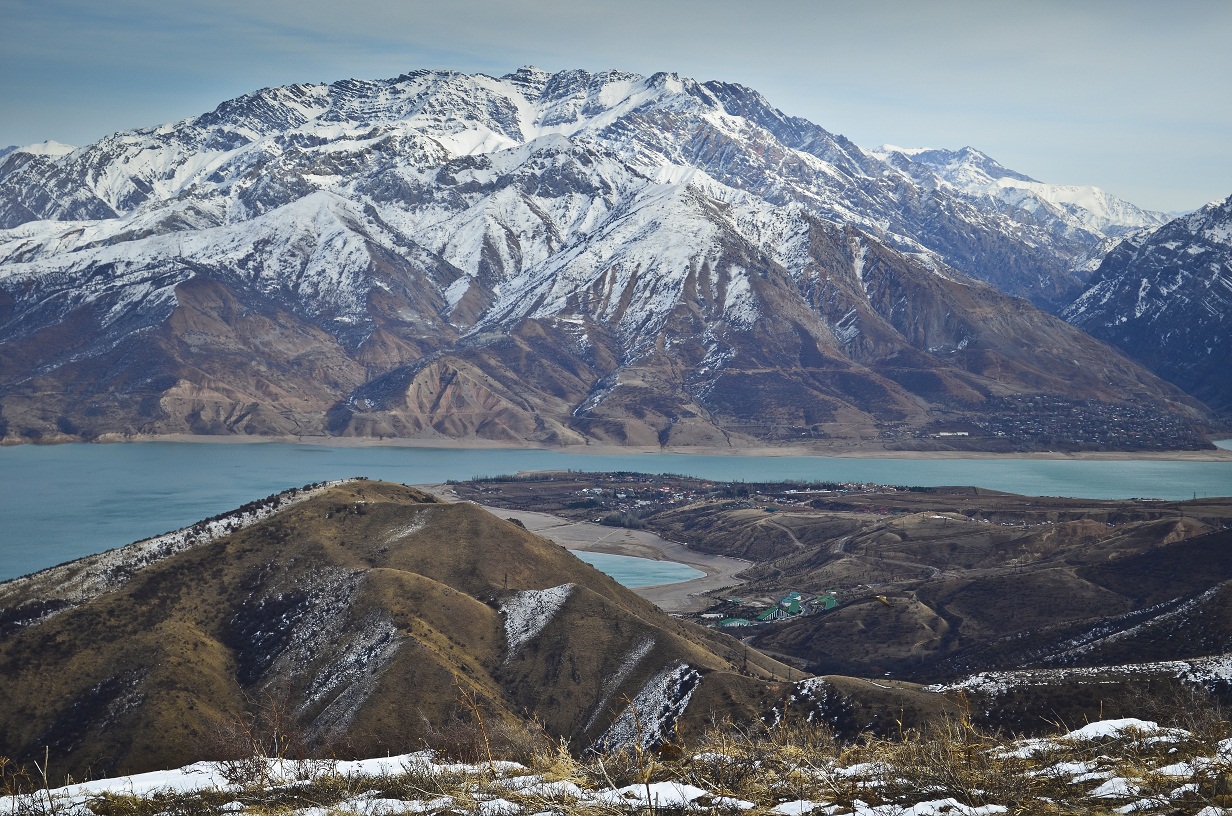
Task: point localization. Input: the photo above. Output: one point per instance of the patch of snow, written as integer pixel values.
(1108, 729)
(858, 266)
(847, 328)
(651, 717)
(406, 531)
(739, 307)
(533, 785)
(800, 807)
(528, 612)
(1178, 769)
(662, 795)
(1116, 788)
(497, 807)
(454, 292)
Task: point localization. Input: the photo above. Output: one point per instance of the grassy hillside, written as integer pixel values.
(366, 618)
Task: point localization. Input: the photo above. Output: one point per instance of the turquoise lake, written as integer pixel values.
(638, 572)
(60, 502)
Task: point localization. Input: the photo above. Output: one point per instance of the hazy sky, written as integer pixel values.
(1132, 96)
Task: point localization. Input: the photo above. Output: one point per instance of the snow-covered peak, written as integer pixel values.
(1156, 267)
(1165, 296)
(977, 175)
(529, 80)
(49, 147)
(886, 149)
(966, 161)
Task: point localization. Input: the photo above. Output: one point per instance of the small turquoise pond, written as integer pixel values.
(638, 572)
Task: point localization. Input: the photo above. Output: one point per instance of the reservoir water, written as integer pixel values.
(638, 572)
(60, 502)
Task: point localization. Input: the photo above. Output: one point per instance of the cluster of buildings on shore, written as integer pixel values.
(734, 613)
(1053, 422)
(645, 495)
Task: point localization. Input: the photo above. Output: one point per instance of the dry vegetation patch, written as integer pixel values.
(951, 768)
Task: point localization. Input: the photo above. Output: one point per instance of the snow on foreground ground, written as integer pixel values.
(1117, 766)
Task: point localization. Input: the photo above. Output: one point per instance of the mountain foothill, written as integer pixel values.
(361, 618)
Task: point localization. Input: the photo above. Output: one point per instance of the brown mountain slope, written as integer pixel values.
(362, 613)
(965, 594)
(861, 342)
(643, 261)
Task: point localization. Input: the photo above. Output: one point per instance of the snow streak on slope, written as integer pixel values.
(342, 659)
(617, 679)
(1210, 672)
(529, 611)
(651, 716)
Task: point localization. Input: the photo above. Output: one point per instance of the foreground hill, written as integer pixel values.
(359, 617)
(363, 617)
(554, 259)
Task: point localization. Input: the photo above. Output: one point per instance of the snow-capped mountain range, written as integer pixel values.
(408, 256)
(1165, 297)
(665, 129)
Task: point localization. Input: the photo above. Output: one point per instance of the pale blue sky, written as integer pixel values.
(1128, 95)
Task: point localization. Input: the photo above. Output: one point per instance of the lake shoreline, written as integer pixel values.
(838, 450)
(66, 501)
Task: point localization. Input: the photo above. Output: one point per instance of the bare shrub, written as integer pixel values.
(252, 750)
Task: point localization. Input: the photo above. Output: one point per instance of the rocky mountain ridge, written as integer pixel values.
(1165, 296)
(321, 137)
